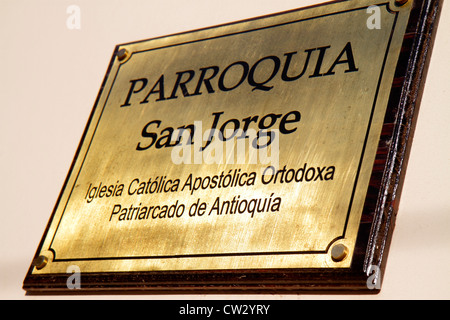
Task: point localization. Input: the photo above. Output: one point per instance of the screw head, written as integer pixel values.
(339, 252)
(122, 54)
(40, 262)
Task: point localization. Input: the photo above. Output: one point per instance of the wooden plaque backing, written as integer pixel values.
(377, 222)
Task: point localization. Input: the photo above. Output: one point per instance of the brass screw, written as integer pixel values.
(122, 54)
(40, 262)
(339, 252)
(400, 3)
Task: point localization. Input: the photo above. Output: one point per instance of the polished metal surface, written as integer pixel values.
(308, 91)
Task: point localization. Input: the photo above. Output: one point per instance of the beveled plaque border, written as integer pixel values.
(378, 216)
(355, 183)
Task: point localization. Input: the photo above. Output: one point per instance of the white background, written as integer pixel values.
(49, 80)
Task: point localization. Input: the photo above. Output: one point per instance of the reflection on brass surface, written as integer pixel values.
(308, 90)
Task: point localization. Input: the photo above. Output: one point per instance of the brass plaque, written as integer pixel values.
(239, 148)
